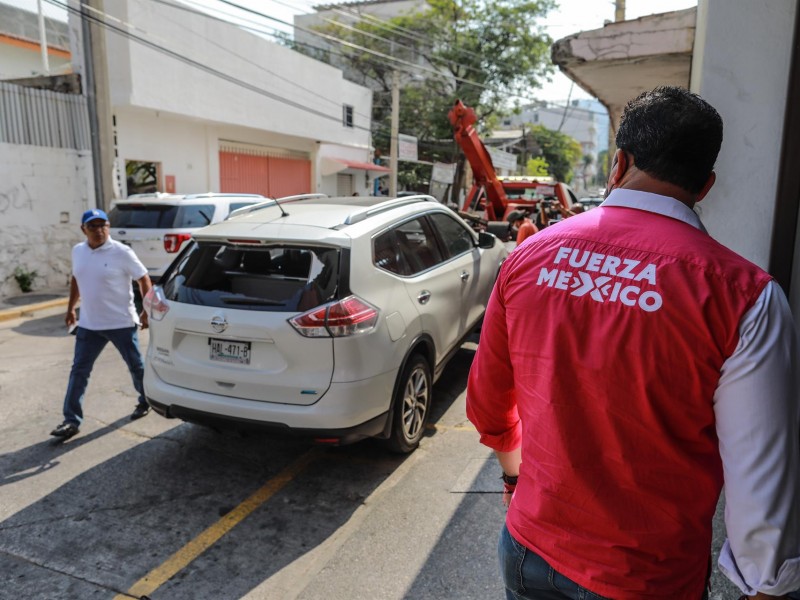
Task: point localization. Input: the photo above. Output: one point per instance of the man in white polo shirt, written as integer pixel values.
(102, 271)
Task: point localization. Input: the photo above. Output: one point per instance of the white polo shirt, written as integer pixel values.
(104, 278)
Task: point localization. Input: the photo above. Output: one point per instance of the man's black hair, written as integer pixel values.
(673, 135)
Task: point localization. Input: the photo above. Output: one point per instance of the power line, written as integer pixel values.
(243, 58)
(173, 54)
(358, 47)
(403, 31)
(411, 66)
(197, 64)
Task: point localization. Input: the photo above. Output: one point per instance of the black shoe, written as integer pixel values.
(65, 430)
(140, 411)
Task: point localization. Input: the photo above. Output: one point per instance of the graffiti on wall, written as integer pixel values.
(15, 199)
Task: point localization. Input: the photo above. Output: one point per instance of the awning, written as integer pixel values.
(335, 165)
(623, 59)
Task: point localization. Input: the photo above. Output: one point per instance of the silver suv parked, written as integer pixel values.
(328, 317)
(157, 226)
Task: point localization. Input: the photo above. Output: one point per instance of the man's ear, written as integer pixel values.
(712, 178)
(619, 167)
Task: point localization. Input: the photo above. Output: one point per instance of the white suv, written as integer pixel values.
(158, 225)
(328, 317)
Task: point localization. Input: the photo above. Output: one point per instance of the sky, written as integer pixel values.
(571, 17)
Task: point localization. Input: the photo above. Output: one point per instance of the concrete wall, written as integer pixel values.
(43, 192)
(741, 66)
(18, 62)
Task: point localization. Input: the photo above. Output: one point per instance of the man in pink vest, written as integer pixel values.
(686, 378)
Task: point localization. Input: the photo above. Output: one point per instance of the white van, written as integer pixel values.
(158, 225)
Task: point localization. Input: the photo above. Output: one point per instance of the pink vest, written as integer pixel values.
(632, 316)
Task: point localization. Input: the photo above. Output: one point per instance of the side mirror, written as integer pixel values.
(486, 240)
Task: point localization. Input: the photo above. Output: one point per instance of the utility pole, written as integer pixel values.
(619, 15)
(619, 10)
(393, 148)
(98, 99)
(43, 39)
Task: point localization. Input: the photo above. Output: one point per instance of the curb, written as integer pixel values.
(27, 310)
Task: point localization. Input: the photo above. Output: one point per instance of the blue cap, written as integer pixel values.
(92, 214)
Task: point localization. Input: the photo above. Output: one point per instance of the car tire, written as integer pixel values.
(411, 405)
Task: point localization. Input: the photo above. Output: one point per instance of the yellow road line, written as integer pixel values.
(28, 309)
(163, 573)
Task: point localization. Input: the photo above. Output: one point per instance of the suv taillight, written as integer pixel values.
(155, 303)
(343, 318)
(174, 241)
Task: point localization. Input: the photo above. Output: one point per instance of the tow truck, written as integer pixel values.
(491, 197)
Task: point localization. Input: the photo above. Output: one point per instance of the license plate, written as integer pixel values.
(230, 351)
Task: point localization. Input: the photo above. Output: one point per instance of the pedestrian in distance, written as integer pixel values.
(102, 272)
(685, 378)
(523, 225)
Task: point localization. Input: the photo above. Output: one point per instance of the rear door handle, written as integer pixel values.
(464, 275)
(423, 297)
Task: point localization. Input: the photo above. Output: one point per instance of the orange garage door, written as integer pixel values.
(247, 173)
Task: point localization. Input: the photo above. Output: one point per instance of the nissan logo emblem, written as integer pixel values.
(219, 324)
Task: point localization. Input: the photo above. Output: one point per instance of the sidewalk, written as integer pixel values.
(23, 305)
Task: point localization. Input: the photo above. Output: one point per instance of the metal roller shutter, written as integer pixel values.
(261, 170)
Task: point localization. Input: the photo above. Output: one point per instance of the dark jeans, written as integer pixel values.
(527, 576)
(88, 346)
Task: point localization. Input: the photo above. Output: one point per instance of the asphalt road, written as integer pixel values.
(166, 510)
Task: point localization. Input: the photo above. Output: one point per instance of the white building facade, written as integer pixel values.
(215, 108)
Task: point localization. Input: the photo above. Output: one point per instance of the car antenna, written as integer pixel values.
(278, 204)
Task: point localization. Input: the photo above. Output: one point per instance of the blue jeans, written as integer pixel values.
(528, 577)
(88, 346)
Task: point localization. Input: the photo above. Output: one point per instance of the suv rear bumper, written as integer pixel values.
(350, 411)
(372, 428)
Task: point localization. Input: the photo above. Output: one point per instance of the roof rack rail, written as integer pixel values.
(362, 214)
(247, 209)
(301, 197)
(273, 202)
(222, 195)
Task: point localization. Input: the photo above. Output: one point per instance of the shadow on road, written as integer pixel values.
(41, 457)
(450, 385)
(114, 523)
(52, 326)
(467, 548)
(111, 525)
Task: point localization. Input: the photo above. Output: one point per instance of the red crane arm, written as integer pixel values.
(462, 118)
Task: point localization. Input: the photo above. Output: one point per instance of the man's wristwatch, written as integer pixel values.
(510, 479)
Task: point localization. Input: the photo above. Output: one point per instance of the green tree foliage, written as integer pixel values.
(537, 167)
(560, 151)
(479, 51)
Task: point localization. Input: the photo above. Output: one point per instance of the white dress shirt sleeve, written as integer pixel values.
(756, 408)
